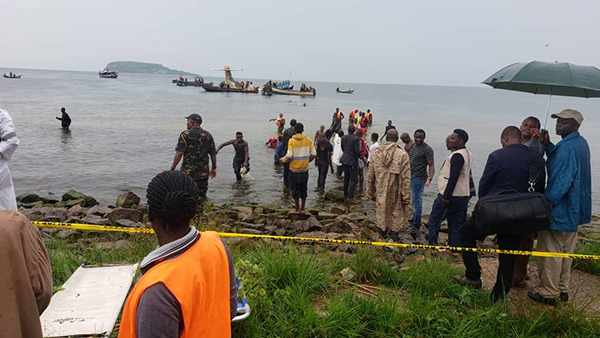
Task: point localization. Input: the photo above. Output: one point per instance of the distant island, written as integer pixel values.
(144, 68)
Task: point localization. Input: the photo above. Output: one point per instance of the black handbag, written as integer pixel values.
(514, 213)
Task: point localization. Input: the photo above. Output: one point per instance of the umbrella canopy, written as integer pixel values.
(551, 78)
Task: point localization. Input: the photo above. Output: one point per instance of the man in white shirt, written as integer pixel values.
(8, 145)
(374, 140)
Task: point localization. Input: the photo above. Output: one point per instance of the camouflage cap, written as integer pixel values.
(195, 117)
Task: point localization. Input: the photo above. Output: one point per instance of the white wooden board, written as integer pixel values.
(90, 302)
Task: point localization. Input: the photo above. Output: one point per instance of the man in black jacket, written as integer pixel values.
(350, 157)
(506, 170)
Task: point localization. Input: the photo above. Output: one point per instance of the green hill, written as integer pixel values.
(144, 68)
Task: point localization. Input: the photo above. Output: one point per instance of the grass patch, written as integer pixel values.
(66, 254)
(588, 265)
(296, 290)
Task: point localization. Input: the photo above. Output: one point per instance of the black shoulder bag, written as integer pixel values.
(514, 213)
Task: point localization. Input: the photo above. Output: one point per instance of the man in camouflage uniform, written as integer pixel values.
(194, 146)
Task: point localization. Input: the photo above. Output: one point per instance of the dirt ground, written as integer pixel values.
(584, 289)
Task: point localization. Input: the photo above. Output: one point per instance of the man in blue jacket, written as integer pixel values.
(569, 190)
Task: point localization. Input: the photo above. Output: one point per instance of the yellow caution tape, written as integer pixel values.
(94, 227)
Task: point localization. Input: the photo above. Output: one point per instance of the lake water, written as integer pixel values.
(124, 131)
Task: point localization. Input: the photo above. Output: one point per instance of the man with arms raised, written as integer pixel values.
(241, 159)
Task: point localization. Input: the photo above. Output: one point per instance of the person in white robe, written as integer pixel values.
(8, 145)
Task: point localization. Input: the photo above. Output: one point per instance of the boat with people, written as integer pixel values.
(347, 91)
(107, 74)
(229, 85)
(183, 82)
(304, 91)
(12, 75)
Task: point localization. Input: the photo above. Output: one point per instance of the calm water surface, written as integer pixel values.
(124, 131)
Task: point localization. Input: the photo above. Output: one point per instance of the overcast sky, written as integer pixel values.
(409, 42)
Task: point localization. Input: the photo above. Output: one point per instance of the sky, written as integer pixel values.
(425, 42)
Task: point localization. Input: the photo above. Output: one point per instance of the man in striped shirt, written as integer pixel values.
(300, 153)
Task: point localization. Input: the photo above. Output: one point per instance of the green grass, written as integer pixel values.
(66, 254)
(588, 265)
(298, 291)
(416, 298)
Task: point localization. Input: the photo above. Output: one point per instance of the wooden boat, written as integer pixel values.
(13, 76)
(348, 91)
(210, 87)
(107, 74)
(312, 92)
(185, 83)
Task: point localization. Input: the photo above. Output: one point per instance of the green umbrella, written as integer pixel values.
(551, 78)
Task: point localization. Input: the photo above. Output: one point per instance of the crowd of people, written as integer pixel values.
(397, 176)
(203, 303)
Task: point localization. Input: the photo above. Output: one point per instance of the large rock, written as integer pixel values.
(88, 201)
(271, 207)
(98, 210)
(28, 198)
(342, 224)
(297, 216)
(326, 215)
(98, 220)
(119, 213)
(34, 214)
(245, 214)
(36, 204)
(334, 195)
(337, 209)
(76, 211)
(127, 223)
(247, 225)
(309, 225)
(56, 215)
(72, 195)
(70, 203)
(358, 216)
(127, 200)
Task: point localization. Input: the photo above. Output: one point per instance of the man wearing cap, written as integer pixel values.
(569, 189)
(194, 146)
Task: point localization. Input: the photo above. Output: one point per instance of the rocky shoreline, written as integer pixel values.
(333, 220)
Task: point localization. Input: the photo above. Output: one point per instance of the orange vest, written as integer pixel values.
(199, 279)
(279, 121)
(339, 114)
(369, 116)
(352, 114)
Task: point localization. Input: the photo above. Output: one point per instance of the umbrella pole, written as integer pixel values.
(548, 109)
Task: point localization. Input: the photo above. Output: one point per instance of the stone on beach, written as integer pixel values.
(128, 200)
(72, 195)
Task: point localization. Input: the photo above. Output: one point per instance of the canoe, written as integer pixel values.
(12, 77)
(210, 87)
(293, 92)
(348, 91)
